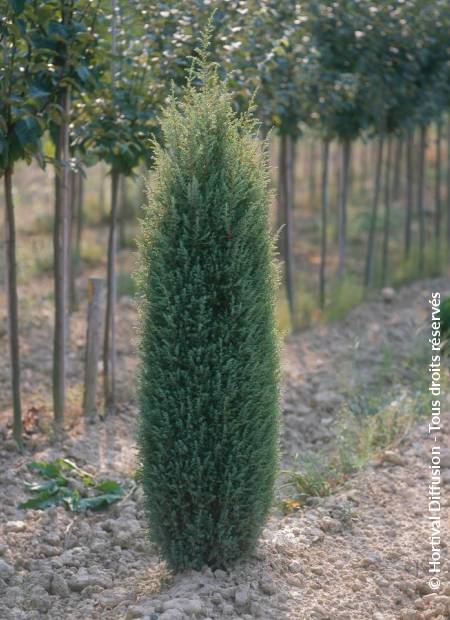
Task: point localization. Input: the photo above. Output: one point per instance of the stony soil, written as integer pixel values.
(361, 553)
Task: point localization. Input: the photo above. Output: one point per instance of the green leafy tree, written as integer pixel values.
(209, 371)
(63, 43)
(22, 102)
(115, 124)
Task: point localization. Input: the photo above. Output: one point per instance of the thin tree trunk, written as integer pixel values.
(343, 198)
(409, 191)
(437, 194)
(73, 301)
(421, 197)
(335, 158)
(397, 186)
(323, 241)
(60, 241)
(123, 212)
(101, 192)
(368, 276)
(12, 305)
(80, 216)
(364, 165)
(312, 173)
(387, 213)
(109, 347)
(289, 229)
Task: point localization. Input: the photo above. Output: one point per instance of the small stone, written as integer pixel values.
(49, 550)
(9, 445)
(394, 457)
(220, 574)
(326, 400)
(409, 614)
(428, 598)
(42, 578)
(135, 611)
(3, 549)
(52, 538)
(319, 612)
(228, 610)
(268, 586)
(295, 567)
(191, 607)
(172, 614)
(256, 610)
(388, 294)
(328, 524)
(15, 526)
(216, 598)
(39, 599)
(422, 587)
(111, 598)
(242, 596)
(59, 586)
(6, 570)
(83, 580)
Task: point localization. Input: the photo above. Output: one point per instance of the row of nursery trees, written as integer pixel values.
(92, 77)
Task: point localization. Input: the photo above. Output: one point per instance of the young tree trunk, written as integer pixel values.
(421, 197)
(12, 305)
(323, 241)
(364, 165)
(289, 229)
(123, 212)
(312, 172)
(437, 195)
(72, 263)
(387, 213)
(368, 276)
(101, 190)
(409, 190)
(397, 185)
(80, 216)
(60, 241)
(109, 346)
(343, 197)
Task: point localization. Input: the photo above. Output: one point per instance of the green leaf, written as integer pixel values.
(17, 6)
(45, 468)
(110, 486)
(83, 72)
(36, 92)
(98, 502)
(41, 501)
(51, 487)
(27, 130)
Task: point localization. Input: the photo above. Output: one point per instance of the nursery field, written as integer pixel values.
(224, 310)
(349, 540)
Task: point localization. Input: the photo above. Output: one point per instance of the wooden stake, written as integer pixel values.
(93, 346)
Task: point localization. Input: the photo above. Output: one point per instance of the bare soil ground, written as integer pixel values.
(361, 553)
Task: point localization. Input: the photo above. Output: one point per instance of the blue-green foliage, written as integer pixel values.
(209, 346)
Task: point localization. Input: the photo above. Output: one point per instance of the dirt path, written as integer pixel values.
(361, 553)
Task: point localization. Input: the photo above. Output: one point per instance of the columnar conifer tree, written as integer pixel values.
(209, 350)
